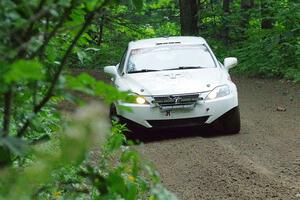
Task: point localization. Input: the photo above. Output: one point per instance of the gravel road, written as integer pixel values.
(262, 162)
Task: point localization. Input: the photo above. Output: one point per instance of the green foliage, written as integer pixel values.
(89, 85)
(45, 153)
(269, 52)
(66, 173)
(23, 70)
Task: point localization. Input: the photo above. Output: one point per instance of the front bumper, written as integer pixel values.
(203, 112)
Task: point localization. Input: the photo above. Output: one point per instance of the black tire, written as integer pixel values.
(231, 121)
(113, 115)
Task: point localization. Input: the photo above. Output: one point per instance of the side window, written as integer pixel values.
(122, 63)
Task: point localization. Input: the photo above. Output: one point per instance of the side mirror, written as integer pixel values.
(230, 62)
(112, 70)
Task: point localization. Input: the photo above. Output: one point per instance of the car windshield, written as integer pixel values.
(169, 58)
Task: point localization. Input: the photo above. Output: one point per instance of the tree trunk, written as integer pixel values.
(7, 111)
(266, 15)
(188, 17)
(246, 5)
(225, 29)
(226, 6)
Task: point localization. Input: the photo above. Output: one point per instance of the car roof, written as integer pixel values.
(153, 42)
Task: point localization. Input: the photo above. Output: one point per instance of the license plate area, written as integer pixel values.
(177, 107)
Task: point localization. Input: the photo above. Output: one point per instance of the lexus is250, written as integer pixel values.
(176, 82)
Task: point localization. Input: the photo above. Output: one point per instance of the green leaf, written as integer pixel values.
(116, 183)
(138, 4)
(132, 191)
(81, 55)
(91, 4)
(129, 155)
(116, 142)
(24, 70)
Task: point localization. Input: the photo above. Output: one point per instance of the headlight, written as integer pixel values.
(220, 91)
(140, 100)
(136, 99)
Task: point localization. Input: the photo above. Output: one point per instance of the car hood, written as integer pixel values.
(174, 81)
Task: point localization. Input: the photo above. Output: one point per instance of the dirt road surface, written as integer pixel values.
(262, 162)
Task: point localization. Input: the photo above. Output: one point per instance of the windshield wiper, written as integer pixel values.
(143, 70)
(185, 67)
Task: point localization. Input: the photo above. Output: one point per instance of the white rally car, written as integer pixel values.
(176, 82)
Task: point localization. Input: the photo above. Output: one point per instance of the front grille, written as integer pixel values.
(178, 122)
(176, 100)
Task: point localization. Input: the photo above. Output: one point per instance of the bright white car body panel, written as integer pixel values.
(179, 83)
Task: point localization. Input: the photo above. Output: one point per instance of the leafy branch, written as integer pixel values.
(66, 14)
(88, 19)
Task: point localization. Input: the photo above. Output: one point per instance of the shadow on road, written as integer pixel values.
(147, 136)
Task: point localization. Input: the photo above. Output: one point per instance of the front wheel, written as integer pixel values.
(231, 121)
(113, 115)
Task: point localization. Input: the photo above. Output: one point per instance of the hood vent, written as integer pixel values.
(166, 43)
